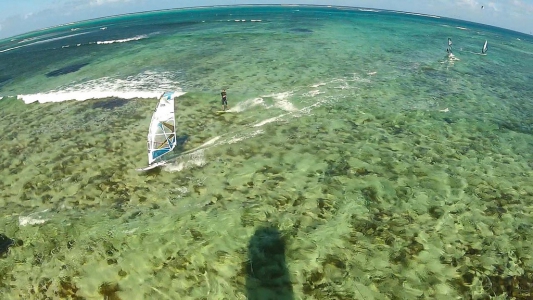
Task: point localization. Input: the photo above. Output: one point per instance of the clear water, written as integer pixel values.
(357, 161)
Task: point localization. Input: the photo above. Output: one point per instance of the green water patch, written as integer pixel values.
(362, 170)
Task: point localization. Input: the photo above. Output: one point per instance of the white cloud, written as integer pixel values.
(103, 2)
(493, 6)
(469, 3)
(522, 6)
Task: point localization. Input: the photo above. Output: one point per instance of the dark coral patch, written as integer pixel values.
(110, 103)
(301, 30)
(65, 70)
(4, 80)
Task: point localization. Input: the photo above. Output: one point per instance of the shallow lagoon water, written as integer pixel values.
(355, 157)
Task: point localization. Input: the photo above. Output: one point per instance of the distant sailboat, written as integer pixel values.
(484, 49)
(162, 131)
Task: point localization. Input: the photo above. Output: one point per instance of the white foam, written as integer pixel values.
(194, 159)
(182, 189)
(130, 231)
(135, 38)
(43, 41)
(274, 119)
(318, 84)
(139, 86)
(26, 40)
(416, 14)
(256, 20)
(462, 28)
(210, 142)
(238, 138)
(244, 105)
(32, 219)
(313, 93)
(61, 96)
(281, 101)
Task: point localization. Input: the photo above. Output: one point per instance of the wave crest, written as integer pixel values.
(136, 38)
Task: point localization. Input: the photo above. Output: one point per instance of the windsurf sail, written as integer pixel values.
(162, 131)
(484, 49)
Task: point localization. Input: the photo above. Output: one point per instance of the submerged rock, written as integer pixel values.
(5, 243)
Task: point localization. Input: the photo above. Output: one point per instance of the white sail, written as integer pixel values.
(162, 131)
(484, 49)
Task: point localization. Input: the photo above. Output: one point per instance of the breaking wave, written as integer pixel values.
(148, 84)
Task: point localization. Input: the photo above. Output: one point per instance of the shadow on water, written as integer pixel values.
(180, 142)
(267, 275)
(5, 243)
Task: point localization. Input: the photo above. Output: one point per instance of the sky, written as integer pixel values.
(21, 16)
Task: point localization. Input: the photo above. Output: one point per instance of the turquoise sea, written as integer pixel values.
(357, 161)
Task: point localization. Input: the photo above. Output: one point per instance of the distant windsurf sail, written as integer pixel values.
(449, 49)
(484, 49)
(162, 131)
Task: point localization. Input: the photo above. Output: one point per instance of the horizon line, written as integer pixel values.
(260, 5)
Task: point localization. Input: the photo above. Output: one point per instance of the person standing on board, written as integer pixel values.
(224, 100)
